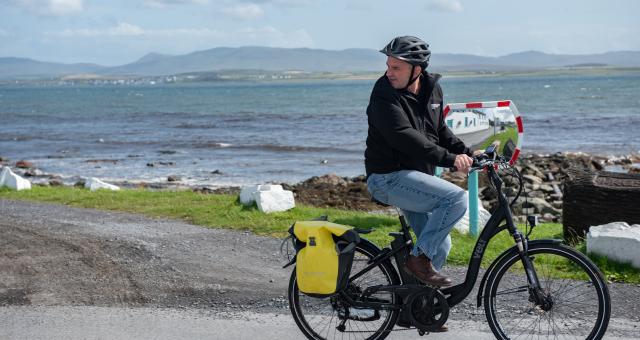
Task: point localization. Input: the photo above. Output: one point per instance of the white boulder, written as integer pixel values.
(13, 181)
(617, 241)
(274, 199)
(248, 193)
(463, 225)
(94, 184)
(268, 197)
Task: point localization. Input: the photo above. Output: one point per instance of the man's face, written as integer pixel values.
(398, 72)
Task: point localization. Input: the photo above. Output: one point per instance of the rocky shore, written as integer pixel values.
(542, 175)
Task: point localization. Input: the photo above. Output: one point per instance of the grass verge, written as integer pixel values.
(503, 137)
(224, 211)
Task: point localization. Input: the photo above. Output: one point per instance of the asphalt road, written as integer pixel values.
(69, 273)
(83, 322)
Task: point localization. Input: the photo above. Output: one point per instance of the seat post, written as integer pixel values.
(403, 223)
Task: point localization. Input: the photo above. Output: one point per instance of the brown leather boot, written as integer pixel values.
(421, 268)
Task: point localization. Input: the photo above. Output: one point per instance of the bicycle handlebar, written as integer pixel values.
(481, 161)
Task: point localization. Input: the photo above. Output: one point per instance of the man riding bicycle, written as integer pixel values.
(407, 139)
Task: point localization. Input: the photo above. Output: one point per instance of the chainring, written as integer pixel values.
(428, 309)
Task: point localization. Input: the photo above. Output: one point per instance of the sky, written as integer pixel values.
(116, 32)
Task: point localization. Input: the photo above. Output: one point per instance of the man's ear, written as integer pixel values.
(417, 71)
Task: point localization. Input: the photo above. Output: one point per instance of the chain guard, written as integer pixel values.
(427, 309)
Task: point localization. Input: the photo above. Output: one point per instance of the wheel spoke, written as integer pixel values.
(572, 307)
(513, 290)
(319, 318)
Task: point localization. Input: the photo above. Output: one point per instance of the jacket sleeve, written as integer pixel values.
(392, 122)
(448, 139)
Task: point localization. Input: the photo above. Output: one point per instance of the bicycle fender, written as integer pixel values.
(513, 249)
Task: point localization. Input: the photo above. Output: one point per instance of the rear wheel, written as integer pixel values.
(331, 318)
(577, 303)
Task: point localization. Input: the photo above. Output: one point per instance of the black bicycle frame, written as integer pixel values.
(458, 293)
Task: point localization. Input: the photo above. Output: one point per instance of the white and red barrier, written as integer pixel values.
(472, 182)
(493, 104)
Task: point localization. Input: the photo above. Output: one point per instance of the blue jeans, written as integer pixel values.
(431, 205)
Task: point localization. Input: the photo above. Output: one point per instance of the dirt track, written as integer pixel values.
(56, 255)
(52, 255)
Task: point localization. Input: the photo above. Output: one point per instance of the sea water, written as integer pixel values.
(236, 133)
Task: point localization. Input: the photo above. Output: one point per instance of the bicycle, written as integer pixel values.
(521, 290)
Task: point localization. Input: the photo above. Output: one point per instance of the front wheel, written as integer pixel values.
(577, 303)
(331, 318)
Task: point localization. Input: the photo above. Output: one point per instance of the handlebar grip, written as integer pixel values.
(474, 164)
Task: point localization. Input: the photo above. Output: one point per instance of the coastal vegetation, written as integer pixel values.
(503, 137)
(224, 211)
(257, 75)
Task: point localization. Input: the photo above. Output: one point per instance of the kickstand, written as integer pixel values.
(341, 327)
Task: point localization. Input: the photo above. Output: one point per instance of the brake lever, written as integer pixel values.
(479, 162)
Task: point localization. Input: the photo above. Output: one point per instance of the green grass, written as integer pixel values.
(224, 211)
(508, 134)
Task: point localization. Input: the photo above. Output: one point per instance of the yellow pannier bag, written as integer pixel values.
(324, 256)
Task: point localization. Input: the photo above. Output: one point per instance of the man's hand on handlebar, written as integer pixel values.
(463, 163)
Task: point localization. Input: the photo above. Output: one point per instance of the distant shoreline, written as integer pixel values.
(260, 76)
(610, 162)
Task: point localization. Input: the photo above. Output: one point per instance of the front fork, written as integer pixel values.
(536, 293)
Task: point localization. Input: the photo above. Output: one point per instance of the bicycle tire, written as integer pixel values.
(318, 318)
(511, 313)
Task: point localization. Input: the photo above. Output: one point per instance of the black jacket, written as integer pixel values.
(406, 134)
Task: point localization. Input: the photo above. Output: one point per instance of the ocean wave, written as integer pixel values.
(15, 138)
(207, 145)
(578, 118)
(244, 117)
(195, 126)
(590, 97)
(293, 148)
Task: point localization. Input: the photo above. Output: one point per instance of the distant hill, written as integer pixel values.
(305, 59)
(539, 59)
(23, 68)
(264, 58)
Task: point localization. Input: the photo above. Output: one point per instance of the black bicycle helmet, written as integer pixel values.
(410, 49)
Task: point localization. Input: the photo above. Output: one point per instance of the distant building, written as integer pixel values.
(467, 121)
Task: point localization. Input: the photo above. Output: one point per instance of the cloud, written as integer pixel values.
(263, 36)
(4, 33)
(165, 3)
(122, 29)
(128, 30)
(445, 5)
(64, 7)
(288, 3)
(51, 7)
(273, 37)
(358, 5)
(247, 11)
